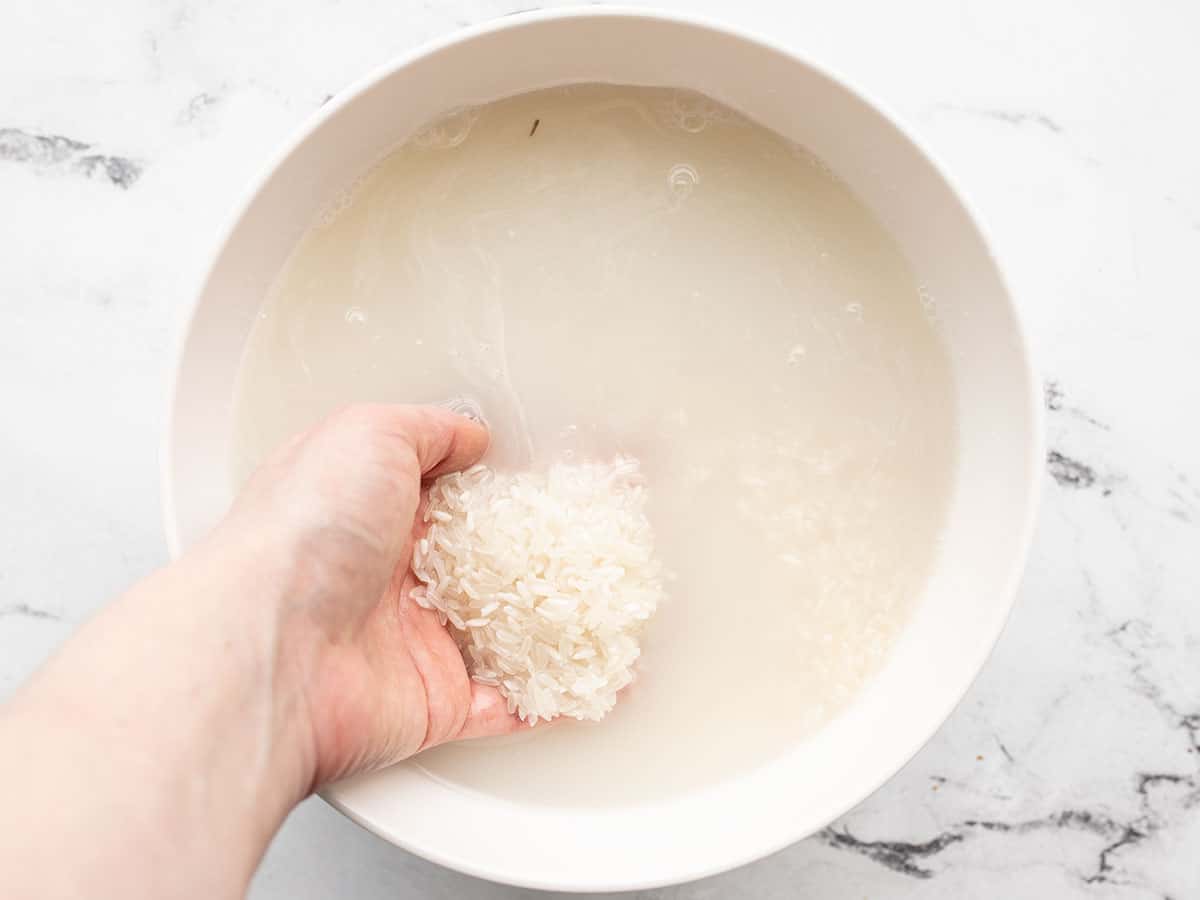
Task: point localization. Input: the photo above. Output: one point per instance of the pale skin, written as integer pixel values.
(159, 750)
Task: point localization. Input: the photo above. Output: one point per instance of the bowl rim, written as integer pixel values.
(1035, 452)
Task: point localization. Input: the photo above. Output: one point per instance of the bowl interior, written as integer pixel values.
(969, 594)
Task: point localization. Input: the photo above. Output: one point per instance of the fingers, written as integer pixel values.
(488, 715)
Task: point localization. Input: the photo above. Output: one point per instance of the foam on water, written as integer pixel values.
(447, 131)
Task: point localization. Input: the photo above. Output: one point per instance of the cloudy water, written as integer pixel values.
(609, 269)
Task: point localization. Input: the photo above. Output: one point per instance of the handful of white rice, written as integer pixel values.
(547, 579)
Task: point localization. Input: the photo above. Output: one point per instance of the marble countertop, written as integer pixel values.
(1072, 769)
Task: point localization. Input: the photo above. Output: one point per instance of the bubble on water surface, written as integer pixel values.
(465, 406)
(682, 180)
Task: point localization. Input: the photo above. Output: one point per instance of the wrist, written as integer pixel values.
(245, 582)
(179, 694)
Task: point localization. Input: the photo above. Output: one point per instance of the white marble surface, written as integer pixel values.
(128, 128)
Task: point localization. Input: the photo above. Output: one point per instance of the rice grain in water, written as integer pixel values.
(573, 541)
(647, 274)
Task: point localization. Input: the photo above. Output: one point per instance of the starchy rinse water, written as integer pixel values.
(610, 270)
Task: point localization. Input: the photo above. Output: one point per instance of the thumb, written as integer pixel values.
(444, 441)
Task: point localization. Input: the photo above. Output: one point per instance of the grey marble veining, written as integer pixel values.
(1072, 768)
(55, 152)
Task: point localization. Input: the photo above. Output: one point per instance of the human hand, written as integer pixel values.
(170, 736)
(374, 678)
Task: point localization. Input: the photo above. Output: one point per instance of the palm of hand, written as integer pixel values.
(380, 678)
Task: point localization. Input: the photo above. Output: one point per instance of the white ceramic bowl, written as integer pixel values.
(969, 595)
